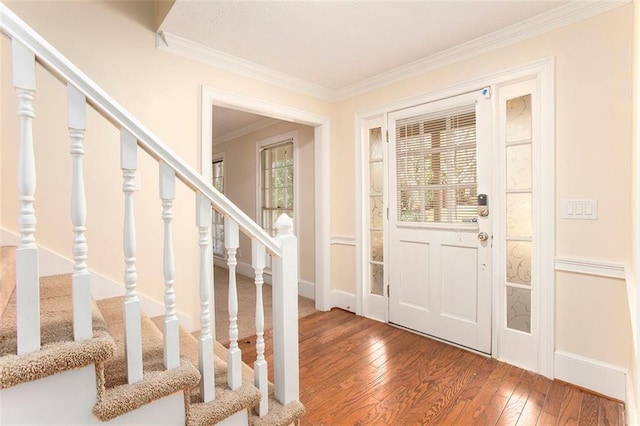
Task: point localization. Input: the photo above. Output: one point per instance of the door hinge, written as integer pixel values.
(387, 213)
(388, 291)
(387, 135)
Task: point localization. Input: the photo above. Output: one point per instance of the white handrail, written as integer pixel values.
(104, 104)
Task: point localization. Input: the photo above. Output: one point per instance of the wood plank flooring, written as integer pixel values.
(355, 371)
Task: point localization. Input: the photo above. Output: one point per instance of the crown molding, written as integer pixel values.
(568, 14)
(250, 128)
(172, 43)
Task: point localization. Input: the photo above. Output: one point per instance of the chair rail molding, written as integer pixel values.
(590, 267)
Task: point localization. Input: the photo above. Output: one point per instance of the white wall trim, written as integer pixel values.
(343, 300)
(590, 267)
(567, 14)
(570, 13)
(172, 43)
(102, 287)
(598, 376)
(343, 240)
(322, 169)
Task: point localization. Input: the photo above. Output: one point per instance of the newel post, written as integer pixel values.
(285, 314)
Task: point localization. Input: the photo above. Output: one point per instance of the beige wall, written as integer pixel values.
(593, 149)
(634, 272)
(114, 44)
(241, 173)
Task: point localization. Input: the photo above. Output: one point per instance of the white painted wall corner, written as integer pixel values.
(343, 300)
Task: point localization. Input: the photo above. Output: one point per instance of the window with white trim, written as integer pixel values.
(276, 183)
(218, 219)
(436, 166)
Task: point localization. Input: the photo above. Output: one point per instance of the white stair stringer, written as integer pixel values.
(69, 397)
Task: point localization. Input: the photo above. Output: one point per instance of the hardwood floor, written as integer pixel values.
(355, 371)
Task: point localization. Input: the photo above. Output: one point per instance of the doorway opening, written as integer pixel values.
(212, 99)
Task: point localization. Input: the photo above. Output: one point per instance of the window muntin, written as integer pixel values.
(218, 219)
(436, 166)
(276, 183)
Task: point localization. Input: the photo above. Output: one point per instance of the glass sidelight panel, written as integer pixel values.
(519, 183)
(519, 215)
(519, 166)
(519, 119)
(519, 262)
(377, 279)
(376, 211)
(519, 309)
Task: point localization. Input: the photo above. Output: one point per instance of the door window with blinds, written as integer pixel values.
(276, 183)
(436, 167)
(218, 219)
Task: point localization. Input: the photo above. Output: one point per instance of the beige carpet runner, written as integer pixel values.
(106, 350)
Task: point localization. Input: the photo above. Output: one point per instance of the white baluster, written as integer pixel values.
(171, 325)
(285, 314)
(81, 280)
(234, 355)
(205, 343)
(132, 321)
(27, 271)
(260, 370)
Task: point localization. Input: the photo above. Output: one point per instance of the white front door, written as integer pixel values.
(440, 246)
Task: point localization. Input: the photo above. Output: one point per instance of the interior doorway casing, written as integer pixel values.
(214, 97)
(543, 72)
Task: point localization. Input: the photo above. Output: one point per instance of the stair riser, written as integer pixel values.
(67, 397)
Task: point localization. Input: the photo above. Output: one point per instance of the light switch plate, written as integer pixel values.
(580, 209)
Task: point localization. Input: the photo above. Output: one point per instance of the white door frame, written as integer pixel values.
(543, 72)
(214, 97)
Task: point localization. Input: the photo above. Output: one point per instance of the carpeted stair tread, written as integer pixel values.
(227, 402)
(156, 384)
(58, 350)
(118, 397)
(279, 415)
(7, 275)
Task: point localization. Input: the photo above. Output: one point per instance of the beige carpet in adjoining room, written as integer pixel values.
(246, 306)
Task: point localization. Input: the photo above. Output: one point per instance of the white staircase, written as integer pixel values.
(28, 51)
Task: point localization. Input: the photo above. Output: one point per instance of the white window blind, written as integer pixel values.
(436, 166)
(276, 171)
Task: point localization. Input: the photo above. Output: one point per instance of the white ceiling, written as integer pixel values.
(335, 44)
(333, 48)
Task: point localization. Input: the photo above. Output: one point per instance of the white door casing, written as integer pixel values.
(321, 124)
(517, 269)
(440, 274)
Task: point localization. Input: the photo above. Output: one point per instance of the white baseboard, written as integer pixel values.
(600, 377)
(307, 289)
(344, 300)
(51, 263)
